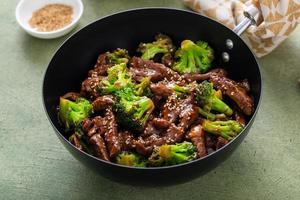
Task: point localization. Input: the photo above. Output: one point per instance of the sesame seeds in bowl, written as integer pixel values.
(48, 19)
(51, 17)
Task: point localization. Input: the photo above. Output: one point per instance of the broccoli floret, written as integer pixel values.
(179, 90)
(193, 58)
(172, 154)
(118, 56)
(130, 159)
(132, 111)
(208, 99)
(162, 45)
(118, 78)
(207, 115)
(72, 113)
(143, 89)
(226, 129)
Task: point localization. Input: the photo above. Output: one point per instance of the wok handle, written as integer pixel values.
(250, 14)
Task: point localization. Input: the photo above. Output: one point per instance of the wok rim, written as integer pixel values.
(61, 136)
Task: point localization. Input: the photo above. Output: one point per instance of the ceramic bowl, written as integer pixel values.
(25, 9)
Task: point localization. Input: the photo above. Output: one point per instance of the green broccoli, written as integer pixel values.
(207, 115)
(130, 159)
(72, 113)
(208, 100)
(162, 45)
(226, 129)
(132, 111)
(118, 56)
(143, 88)
(165, 89)
(118, 78)
(193, 58)
(172, 154)
(180, 89)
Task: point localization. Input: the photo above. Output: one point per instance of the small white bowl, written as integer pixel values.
(25, 9)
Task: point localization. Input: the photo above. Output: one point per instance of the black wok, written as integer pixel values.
(71, 62)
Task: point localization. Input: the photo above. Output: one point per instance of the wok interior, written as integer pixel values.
(78, 54)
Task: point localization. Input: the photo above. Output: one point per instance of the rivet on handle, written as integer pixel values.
(229, 44)
(225, 57)
(250, 14)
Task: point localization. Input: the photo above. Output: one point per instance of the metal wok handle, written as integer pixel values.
(251, 15)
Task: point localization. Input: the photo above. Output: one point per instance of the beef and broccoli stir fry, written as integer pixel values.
(164, 107)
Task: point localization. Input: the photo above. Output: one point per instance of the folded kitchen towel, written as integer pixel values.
(278, 19)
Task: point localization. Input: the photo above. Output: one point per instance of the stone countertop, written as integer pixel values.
(35, 165)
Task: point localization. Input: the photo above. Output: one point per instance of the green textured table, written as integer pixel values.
(35, 165)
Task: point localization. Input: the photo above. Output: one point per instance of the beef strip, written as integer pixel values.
(128, 140)
(166, 88)
(164, 130)
(111, 136)
(145, 146)
(221, 142)
(75, 141)
(151, 129)
(152, 136)
(100, 124)
(142, 148)
(158, 102)
(239, 117)
(103, 102)
(146, 68)
(101, 66)
(170, 111)
(219, 72)
(161, 123)
(98, 146)
(73, 96)
(201, 77)
(197, 136)
(210, 150)
(107, 127)
(188, 112)
(89, 87)
(86, 125)
(178, 114)
(174, 134)
(210, 141)
(95, 126)
(168, 135)
(235, 92)
(161, 89)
